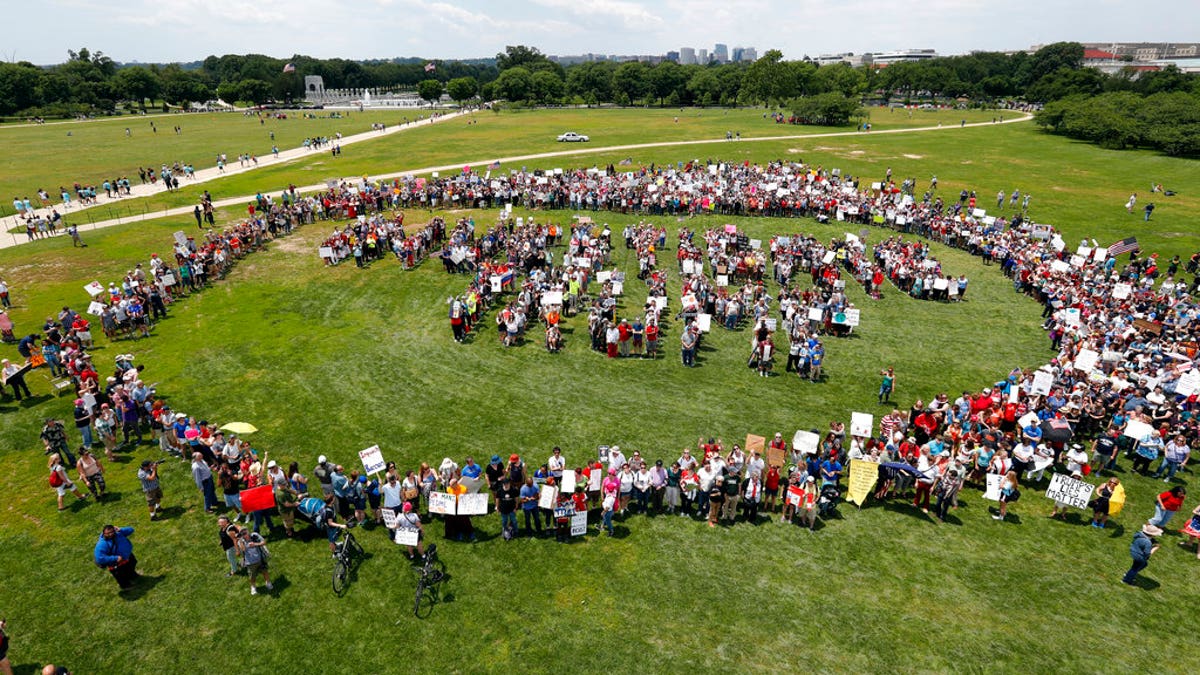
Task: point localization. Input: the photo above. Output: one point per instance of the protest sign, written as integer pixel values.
(389, 518)
(863, 475)
(1060, 267)
(830, 256)
(1189, 383)
(756, 244)
(754, 443)
(794, 495)
(497, 283)
(861, 424)
(325, 251)
(806, 442)
(815, 314)
(1137, 430)
(1148, 326)
(1121, 291)
(1116, 503)
(660, 301)
(1027, 419)
(618, 287)
(1069, 490)
(472, 484)
(704, 322)
(603, 276)
(772, 324)
(1086, 360)
(594, 479)
(978, 213)
(1078, 261)
(95, 288)
(440, 502)
(473, 504)
(257, 499)
(579, 524)
(776, 456)
(548, 498)
(1083, 251)
(940, 284)
(722, 280)
(180, 238)
(95, 309)
(168, 279)
(552, 298)
(568, 481)
(1042, 381)
(993, 487)
(408, 537)
(372, 460)
(852, 316)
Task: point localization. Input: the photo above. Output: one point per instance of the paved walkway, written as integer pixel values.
(209, 174)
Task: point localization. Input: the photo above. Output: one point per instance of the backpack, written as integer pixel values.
(56, 479)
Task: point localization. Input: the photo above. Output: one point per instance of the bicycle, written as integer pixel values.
(346, 552)
(431, 573)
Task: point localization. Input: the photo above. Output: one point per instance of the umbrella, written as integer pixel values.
(900, 467)
(1056, 431)
(240, 428)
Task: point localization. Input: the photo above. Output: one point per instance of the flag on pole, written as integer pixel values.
(430, 67)
(494, 165)
(289, 68)
(1123, 246)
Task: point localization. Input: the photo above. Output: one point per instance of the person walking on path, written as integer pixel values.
(1142, 547)
(114, 552)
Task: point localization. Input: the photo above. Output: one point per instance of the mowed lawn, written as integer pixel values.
(329, 361)
(333, 360)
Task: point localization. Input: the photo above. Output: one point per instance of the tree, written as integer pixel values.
(765, 79)
(631, 80)
(666, 79)
(137, 84)
(546, 86)
(592, 81)
(514, 84)
(182, 86)
(19, 85)
(430, 90)
(257, 92)
(1054, 57)
(519, 56)
(831, 109)
(462, 89)
(841, 78)
(705, 87)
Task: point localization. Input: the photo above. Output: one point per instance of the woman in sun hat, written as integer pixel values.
(1142, 547)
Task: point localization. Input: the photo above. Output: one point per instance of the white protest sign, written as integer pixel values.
(1078, 261)
(548, 499)
(603, 276)
(1042, 381)
(704, 322)
(95, 288)
(1086, 360)
(993, 487)
(594, 479)
(830, 256)
(325, 252)
(722, 280)
(95, 309)
(1027, 419)
(1121, 291)
(861, 424)
(472, 484)
(815, 314)
(168, 279)
(979, 213)
(1189, 383)
(756, 243)
(940, 284)
(772, 324)
(1060, 267)
(568, 481)
(372, 460)
(408, 537)
(1058, 243)
(497, 283)
(1100, 254)
(660, 301)
(852, 316)
(618, 287)
(552, 298)
(1083, 251)
(579, 524)
(389, 518)
(440, 502)
(806, 442)
(1069, 491)
(473, 504)
(180, 238)
(1137, 430)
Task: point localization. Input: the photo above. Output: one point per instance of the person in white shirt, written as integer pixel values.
(752, 497)
(616, 459)
(756, 464)
(641, 488)
(391, 491)
(1043, 456)
(737, 459)
(557, 463)
(686, 461)
(1077, 457)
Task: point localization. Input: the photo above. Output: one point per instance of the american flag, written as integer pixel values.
(289, 68)
(1123, 246)
(494, 165)
(430, 67)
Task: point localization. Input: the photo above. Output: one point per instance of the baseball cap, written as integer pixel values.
(321, 459)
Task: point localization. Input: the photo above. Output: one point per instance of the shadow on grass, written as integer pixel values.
(1145, 583)
(141, 587)
(171, 512)
(281, 583)
(1118, 530)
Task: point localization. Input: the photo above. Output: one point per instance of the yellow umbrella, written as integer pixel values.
(240, 428)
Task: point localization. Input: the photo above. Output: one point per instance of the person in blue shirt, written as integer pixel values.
(529, 506)
(831, 471)
(1032, 434)
(471, 469)
(114, 552)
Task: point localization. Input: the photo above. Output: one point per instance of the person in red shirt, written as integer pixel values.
(926, 425)
(1167, 504)
(624, 335)
(652, 339)
(771, 488)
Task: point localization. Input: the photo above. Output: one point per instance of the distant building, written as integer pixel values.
(884, 59)
(1147, 51)
(673, 56)
(736, 54)
(830, 59)
(702, 57)
(687, 56)
(749, 54)
(721, 53)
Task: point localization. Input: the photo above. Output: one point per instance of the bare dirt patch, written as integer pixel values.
(914, 156)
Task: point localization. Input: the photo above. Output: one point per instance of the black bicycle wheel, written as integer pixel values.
(339, 577)
(420, 594)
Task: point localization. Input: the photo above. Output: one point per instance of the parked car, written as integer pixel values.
(572, 137)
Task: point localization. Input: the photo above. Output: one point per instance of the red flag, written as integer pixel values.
(257, 499)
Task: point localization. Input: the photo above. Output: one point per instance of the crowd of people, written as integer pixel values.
(370, 239)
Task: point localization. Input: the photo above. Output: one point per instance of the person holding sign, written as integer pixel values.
(1100, 503)
(409, 522)
(529, 506)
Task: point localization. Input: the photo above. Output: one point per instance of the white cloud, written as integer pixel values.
(631, 15)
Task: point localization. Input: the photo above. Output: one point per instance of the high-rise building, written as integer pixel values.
(721, 53)
(673, 56)
(749, 54)
(702, 57)
(736, 54)
(687, 56)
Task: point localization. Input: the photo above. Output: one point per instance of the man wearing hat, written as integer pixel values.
(54, 437)
(148, 475)
(1140, 550)
(83, 422)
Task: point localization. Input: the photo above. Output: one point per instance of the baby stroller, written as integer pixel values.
(828, 501)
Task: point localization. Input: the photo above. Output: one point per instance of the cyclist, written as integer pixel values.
(323, 515)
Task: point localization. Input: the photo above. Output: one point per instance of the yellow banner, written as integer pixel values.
(1117, 501)
(863, 475)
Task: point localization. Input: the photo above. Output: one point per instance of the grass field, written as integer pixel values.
(329, 361)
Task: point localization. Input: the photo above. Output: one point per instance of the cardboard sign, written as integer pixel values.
(408, 537)
(95, 288)
(1086, 360)
(704, 322)
(863, 475)
(95, 309)
(568, 481)
(806, 442)
(594, 479)
(1122, 291)
(372, 460)
(389, 518)
(755, 443)
(776, 456)
(993, 487)
(548, 498)
(861, 424)
(1148, 326)
(473, 504)
(440, 502)
(1189, 383)
(579, 524)
(852, 317)
(1069, 491)
(1042, 382)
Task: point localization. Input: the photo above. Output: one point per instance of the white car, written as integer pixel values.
(572, 137)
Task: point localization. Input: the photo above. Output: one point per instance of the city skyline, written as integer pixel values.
(189, 30)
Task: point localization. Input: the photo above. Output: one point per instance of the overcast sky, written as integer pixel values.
(189, 30)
